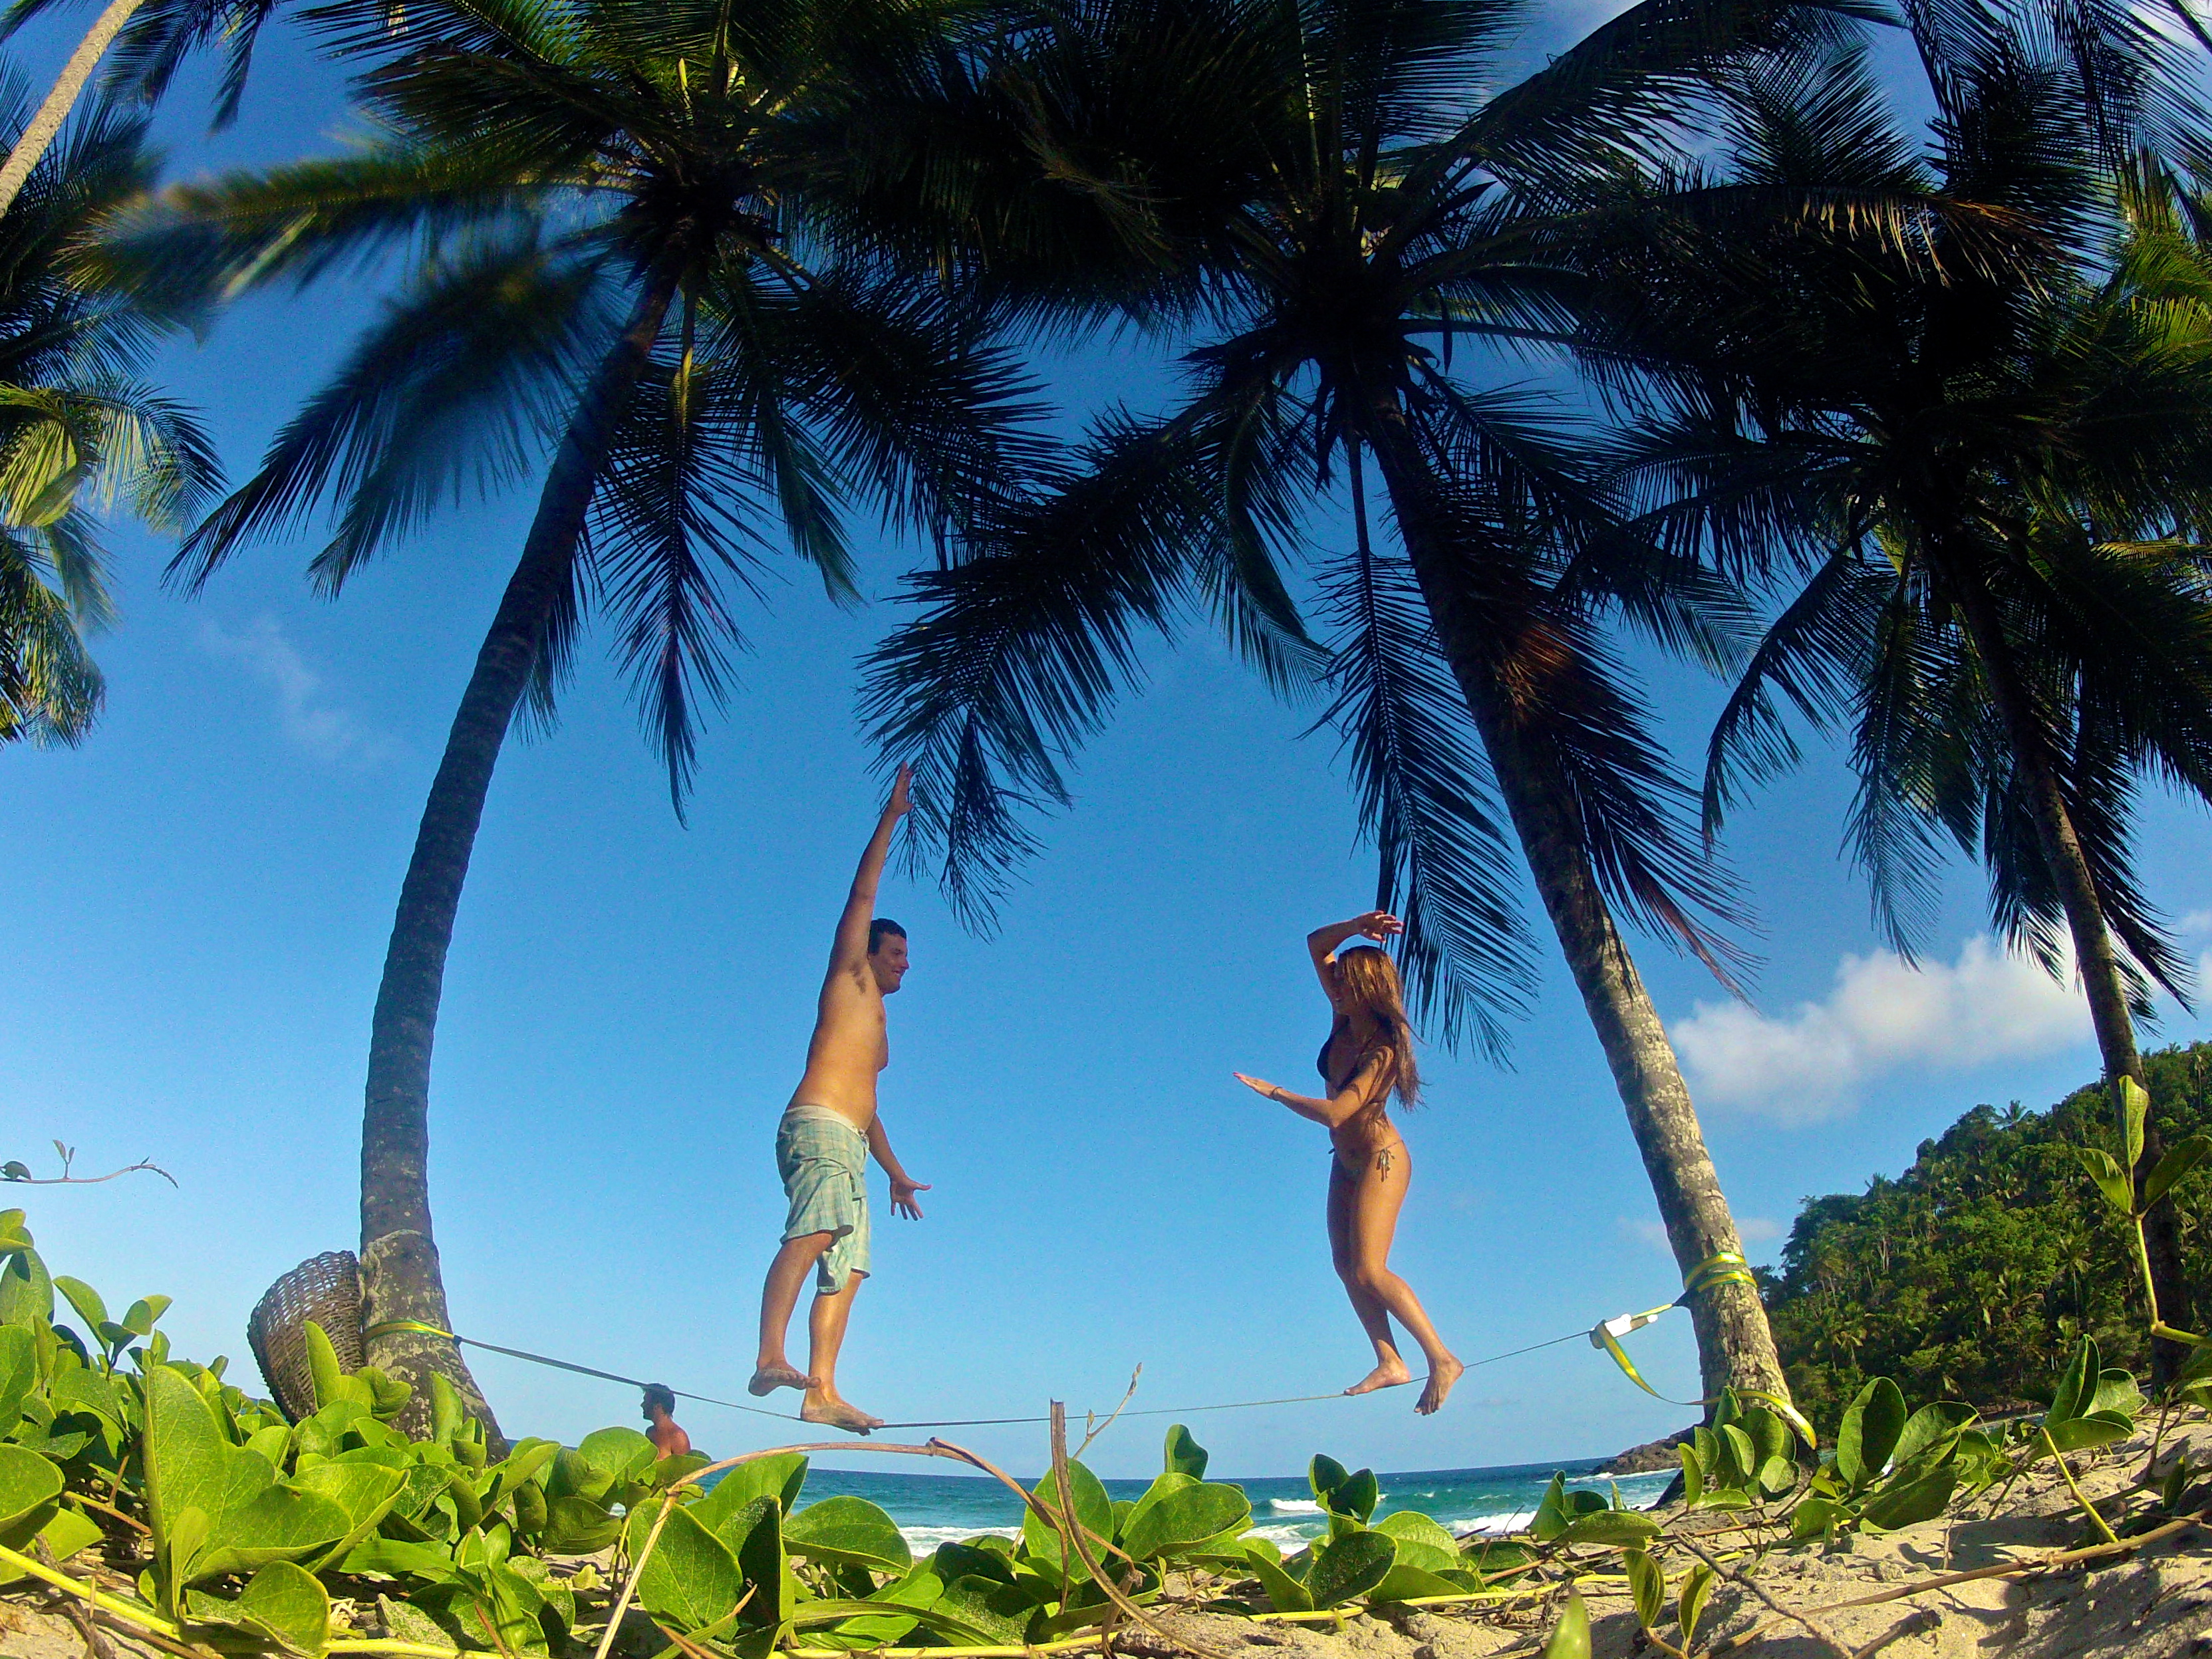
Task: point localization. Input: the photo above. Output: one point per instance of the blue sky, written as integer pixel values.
(191, 946)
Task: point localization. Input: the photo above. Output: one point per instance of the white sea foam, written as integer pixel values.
(1288, 1539)
(1492, 1526)
(1293, 1522)
(922, 1540)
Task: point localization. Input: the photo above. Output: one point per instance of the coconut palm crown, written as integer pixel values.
(1351, 235)
(80, 430)
(143, 43)
(631, 262)
(1951, 409)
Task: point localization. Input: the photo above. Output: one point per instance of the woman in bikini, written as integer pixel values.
(1368, 1056)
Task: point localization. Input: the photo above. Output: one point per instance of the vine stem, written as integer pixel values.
(86, 1619)
(2087, 1507)
(67, 1180)
(1820, 1632)
(1077, 1537)
(138, 1618)
(2002, 1570)
(1131, 1394)
(147, 1619)
(140, 1526)
(636, 1572)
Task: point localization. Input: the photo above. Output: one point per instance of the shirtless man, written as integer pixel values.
(823, 1145)
(666, 1434)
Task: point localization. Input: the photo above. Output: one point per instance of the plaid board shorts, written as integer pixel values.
(823, 1161)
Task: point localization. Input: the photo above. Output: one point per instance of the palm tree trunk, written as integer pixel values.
(400, 1275)
(35, 138)
(2095, 955)
(1736, 1348)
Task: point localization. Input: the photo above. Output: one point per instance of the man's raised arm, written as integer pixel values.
(851, 948)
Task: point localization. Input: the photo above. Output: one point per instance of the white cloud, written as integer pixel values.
(1652, 1234)
(328, 733)
(2196, 922)
(1882, 1016)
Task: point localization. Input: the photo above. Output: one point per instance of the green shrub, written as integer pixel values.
(1976, 1272)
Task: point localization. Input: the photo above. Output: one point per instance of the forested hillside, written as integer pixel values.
(1971, 1275)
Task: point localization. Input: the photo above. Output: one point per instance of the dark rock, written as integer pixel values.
(1647, 1459)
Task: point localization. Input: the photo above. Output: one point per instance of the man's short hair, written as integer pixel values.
(660, 1394)
(878, 928)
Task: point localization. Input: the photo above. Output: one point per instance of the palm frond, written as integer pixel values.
(1253, 441)
(1561, 710)
(668, 522)
(162, 33)
(749, 349)
(545, 31)
(1815, 656)
(50, 689)
(1023, 645)
(1610, 96)
(78, 429)
(199, 245)
(908, 391)
(457, 385)
(1401, 68)
(152, 451)
(1423, 787)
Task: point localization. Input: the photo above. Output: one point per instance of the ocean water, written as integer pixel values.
(930, 1508)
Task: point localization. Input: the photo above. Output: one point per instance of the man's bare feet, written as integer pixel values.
(1390, 1374)
(769, 1378)
(1441, 1378)
(838, 1414)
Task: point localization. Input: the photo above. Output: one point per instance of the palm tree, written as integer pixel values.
(1320, 194)
(1980, 474)
(619, 214)
(78, 427)
(156, 37)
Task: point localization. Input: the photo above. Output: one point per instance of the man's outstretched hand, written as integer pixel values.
(902, 801)
(902, 1190)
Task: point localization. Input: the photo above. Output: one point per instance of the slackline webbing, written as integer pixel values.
(425, 1330)
(1723, 1268)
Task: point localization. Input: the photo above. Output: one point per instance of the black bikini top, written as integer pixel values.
(1321, 1059)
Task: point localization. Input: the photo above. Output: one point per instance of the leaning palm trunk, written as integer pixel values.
(2096, 959)
(400, 1277)
(46, 123)
(1736, 1348)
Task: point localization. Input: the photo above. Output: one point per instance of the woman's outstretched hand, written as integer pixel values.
(1377, 925)
(1259, 1086)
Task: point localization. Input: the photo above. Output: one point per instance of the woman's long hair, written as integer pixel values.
(1367, 980)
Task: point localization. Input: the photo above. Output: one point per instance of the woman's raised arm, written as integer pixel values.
(1322, 943)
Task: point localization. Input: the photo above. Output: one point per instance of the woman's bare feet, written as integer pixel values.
(1442, 1375)
(1390, 1374)
(769, 1378)
(837, 1414)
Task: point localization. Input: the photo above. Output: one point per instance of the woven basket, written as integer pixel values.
(327, 1290)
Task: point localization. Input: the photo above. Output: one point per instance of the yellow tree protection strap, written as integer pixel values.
(1721, 1267)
